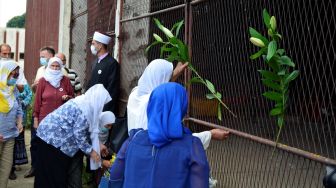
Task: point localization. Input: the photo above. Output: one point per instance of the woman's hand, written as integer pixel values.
(1, 138)
(94, 155)
(103, 150)
(179, 69)
(106, 164)
(219, 134)
(35, 123)
(20, 127)
(65, 97)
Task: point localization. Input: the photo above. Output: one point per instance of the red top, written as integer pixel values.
(48, 98)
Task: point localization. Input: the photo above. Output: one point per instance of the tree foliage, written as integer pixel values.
(17, 21)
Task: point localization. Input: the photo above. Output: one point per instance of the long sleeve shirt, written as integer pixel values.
(8, 128)
(48, 98)
(66, 128)
(183, 162)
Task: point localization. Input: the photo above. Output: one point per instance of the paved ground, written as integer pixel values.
(22, 182)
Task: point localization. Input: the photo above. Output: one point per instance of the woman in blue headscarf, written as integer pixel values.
(165, 155)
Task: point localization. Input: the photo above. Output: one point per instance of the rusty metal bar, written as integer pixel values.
(290, 149)
(17, 47)
(80, 14)
(197, 2)
(188, 37)
(154, 13)
(111, 33)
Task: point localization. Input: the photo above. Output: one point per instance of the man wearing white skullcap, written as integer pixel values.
(105, 69)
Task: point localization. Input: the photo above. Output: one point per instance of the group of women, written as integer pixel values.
(160, 151)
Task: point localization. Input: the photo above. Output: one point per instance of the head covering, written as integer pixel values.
(104, 119)
(7, 97)
(101, 38)
(52, 76)
(167, 106)
(91, 104)
(159, 71)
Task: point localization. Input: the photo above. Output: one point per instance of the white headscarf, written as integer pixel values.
(91, 104)
(54, 77)
(104, 119)
(7, 97)
(159, 71)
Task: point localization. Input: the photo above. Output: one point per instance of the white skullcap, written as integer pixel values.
(101, 38)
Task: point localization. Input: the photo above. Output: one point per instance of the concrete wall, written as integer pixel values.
(64, 27)
(15, 37)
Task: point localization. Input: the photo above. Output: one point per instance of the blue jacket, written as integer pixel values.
(181, 163)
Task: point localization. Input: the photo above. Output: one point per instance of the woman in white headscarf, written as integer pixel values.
(61, 134)
(53, 90)
(158, 72)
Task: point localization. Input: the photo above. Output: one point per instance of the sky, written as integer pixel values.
(11, 8)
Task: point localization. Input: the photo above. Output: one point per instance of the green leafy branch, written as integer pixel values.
(280, 73)
(178, 51)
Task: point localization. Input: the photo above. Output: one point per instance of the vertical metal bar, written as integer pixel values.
(188, 40)
(17, 46)
(5, 36)
(119, 38)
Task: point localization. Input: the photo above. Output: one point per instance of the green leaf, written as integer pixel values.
(173, 56)
(256, 34)
(280, 121)
(177, 26)
(267, 18)
(196, 80)
(153, 44)
(271, 84)
(276, 111)
(281, 51)
(183, 50)
(272, 47)
(166, 31)
(273, 64)
(258, 54)
(279, 105)
(210, 86)
(291, 76)
(162, 50)
(285, 60)
(210, 96)
(219, 112)
(157, 37)
(282, 72)
(158, 23)
(272, 95)
(269, 75)
(219, 95)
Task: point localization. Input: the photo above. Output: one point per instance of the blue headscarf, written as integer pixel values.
(166, 107)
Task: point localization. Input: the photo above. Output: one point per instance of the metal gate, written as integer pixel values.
(78, 40)
(217, 34)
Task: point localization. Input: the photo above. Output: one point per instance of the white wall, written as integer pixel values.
(11, 40)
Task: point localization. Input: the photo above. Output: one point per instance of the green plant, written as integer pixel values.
(178, 51)
(280, 70)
